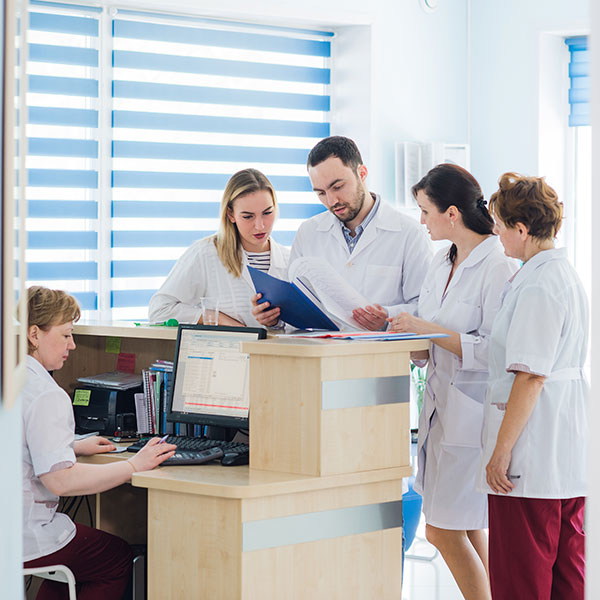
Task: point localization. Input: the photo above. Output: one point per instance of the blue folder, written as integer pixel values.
(296, 308)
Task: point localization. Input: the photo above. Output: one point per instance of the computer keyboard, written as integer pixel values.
(193, 457)
(191, 443)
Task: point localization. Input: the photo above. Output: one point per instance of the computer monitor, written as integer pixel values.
(211, 376)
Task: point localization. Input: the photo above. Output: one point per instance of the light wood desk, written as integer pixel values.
(245, 533)
(240, 533)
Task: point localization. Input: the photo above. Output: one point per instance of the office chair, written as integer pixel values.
(55, 573)
(411, 510)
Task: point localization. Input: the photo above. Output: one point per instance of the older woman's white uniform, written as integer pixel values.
(48, 433)
(200, 273)
(451, 418)
(542, 328)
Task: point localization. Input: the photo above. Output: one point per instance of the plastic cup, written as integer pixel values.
(200, 307)
(211, 311)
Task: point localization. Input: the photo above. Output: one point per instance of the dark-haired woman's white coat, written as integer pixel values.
(451, 419)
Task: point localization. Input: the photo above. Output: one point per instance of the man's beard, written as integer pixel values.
(360, 200)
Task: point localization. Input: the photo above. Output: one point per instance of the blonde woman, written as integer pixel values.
(101, 562)
(216, 267)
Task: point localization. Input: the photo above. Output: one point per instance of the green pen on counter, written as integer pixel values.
(167, 323)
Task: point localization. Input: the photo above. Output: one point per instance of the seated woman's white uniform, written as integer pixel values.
(46, 408)
(101, 562)
(248, 210)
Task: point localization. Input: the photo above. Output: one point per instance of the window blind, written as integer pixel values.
(62, 161)
(579, 75)
(135, 123)
(194, 102)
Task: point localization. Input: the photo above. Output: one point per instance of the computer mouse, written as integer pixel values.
(230, 459)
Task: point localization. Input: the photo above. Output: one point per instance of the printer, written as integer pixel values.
(105, 402)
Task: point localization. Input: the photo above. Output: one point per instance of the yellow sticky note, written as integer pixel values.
(113, 345)
(82, 397)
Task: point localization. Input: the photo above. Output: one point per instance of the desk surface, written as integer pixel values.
(241, 481)
(277, 346)
(316, 347)
(124, 329)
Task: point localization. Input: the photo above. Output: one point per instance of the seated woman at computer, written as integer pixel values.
(100, 562)
(216, 267)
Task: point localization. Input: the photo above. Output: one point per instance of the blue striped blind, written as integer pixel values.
(579, 74)
(62, 160)
(191, 102)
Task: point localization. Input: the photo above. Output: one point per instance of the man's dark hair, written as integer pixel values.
(336, 145)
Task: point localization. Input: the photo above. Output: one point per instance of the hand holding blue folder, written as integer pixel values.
(296, 308)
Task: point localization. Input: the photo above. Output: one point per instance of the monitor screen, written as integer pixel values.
(211, 375)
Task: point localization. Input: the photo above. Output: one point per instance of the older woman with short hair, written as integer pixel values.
(535, 423)
(100, 562)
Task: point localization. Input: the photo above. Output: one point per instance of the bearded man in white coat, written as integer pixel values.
(380, 252)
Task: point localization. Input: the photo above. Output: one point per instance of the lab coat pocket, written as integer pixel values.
(463, 420)
(40, 513)
(384, 283)
(467, 317)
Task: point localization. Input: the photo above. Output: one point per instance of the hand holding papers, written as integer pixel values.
(296, 308)
(335, 294)
(321, 288)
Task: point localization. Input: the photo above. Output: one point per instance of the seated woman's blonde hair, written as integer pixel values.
(47, 308)
(530, 201)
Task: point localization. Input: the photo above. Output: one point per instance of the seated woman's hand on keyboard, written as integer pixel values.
(152, 455)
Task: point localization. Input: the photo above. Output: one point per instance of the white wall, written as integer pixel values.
(506, 39)
(11, 581)
(593, 506)
(418, 67)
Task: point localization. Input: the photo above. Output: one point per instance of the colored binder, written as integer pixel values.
(296, 308)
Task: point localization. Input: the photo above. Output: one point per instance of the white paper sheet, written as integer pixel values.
(334, 294)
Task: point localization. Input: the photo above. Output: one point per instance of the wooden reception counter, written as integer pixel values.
(318, 513)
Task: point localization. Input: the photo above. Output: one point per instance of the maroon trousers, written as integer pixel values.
(537, 548)
(101, 563)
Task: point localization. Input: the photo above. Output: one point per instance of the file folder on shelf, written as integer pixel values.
(296, 308)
